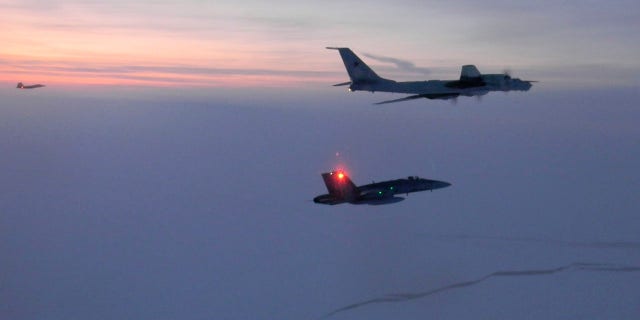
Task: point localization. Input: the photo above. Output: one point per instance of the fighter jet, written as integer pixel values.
(471, 82)
(342, 190)
(22, 86)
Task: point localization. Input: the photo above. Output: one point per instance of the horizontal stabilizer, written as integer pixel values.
(328, 199)
(342, 84)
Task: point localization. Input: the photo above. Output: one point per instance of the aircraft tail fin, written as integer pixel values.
(339, 185)
(470, 73)
(359, 72)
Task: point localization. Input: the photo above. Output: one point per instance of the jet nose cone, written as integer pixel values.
(439, 184)
(524, 85)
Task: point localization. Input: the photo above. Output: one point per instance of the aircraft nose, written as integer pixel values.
(525, 85)
(439, 184)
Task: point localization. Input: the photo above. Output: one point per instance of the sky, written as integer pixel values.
(258, 44)
(167, 170)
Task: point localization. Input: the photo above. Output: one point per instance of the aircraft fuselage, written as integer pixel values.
(439, 89)
(403, 186)
(470, 83)
(33, 86)
(342, 190)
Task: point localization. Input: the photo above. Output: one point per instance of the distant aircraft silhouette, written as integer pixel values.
(33, 86)
(342, 189)
(471, 82)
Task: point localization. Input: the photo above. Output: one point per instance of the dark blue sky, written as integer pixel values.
(161, 205)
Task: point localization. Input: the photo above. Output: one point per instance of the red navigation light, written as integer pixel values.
(340, 175)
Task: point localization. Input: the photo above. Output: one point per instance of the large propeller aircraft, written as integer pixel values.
(471, 82)
(342, 190)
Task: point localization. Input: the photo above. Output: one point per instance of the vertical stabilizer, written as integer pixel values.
(470, 73)
(340, 186)
(359, 72)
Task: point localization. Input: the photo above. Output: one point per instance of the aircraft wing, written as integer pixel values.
(441, 96)
(376, 194)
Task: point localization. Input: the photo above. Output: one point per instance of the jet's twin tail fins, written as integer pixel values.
(359, 72)
(340, 186)
(470, 73)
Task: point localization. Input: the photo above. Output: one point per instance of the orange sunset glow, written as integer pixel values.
(85, 46)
